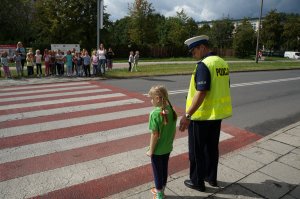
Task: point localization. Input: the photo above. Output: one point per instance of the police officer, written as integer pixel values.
(208, 102)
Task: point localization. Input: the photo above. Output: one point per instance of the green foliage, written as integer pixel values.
(244, 39)
(272, 29)
(221, 33)
(140, 22)
(291, 33)
(15, 18)
(42, 22)
(204, 30)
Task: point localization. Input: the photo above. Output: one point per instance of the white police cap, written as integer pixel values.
(196, 41)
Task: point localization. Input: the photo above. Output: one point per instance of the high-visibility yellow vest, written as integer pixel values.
(217, 102)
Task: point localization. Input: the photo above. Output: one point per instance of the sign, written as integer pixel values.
(65, 47)
(10, 49)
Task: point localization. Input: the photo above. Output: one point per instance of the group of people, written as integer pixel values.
(77, 63)
(208, 103)
(133, 61)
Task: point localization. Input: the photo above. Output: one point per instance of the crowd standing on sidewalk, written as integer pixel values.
(78, 64)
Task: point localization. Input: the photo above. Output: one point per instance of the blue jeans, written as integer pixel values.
(101, 66)
(160, 170)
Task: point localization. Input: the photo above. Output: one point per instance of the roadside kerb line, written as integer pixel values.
(240, 85)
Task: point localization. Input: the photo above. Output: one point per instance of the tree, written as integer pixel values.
(291, 33)
(244, 39)
(180, 28)
(140, 26)
(15, 21)
(68, 21)
(204, 30)
(221, 33)
(272, 28)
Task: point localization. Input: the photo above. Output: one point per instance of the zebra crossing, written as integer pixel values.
(77, 140)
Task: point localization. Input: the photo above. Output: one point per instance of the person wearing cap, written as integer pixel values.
(208, 102)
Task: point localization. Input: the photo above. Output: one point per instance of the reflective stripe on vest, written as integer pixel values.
(217, 102)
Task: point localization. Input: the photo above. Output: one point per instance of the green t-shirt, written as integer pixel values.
(167, 132)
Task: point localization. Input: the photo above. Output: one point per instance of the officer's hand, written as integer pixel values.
(184, 123)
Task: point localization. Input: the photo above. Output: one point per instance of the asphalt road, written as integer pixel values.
(263, 102)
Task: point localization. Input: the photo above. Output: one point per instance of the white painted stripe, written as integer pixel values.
(240, 84)
(44, 182)
(43, 86)
(53, 146)
(69, 109)
(34, 128)
(60, 101)
(44, 96)
(265, 82)
(48, 90)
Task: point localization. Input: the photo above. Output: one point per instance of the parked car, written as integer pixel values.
(292, 55)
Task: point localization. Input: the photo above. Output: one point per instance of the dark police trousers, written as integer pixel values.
(204, 150)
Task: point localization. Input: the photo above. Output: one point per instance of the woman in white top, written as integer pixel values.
(101, 52)
(38, 62)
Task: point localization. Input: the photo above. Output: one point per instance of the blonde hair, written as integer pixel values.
(162, 92)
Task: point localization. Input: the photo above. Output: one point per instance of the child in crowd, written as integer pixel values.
(4, 63)
(30, 63)
(52, 63)
(86, 63)
(162, 123)
(47, 62)
(130, 60)
(69, 61)
(18, 61)
(94, 62)
(135, 60)
(38, 62)
(109, 58)
(59, 58)
(79, 63)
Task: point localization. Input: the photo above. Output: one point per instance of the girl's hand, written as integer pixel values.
(148, 153)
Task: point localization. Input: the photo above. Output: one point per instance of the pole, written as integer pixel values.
(98, 23)
(258, 30)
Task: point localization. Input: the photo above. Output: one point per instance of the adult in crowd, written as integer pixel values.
(208, 102)
(101, 52)
(22, 51)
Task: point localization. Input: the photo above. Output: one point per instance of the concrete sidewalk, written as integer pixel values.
(268, 168)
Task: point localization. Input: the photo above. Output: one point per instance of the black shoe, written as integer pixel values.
(212, 183)
(191, 185)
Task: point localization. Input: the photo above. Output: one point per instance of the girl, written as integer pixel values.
(18, 60)
(69, 62)
(4, 63)
(162, 123)
(130, 60)
(29, 64)
(38, 62)
(135, 60)
(94, 62)
(86, 64)
(79, 63)
(47, 62)
(109, 58)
